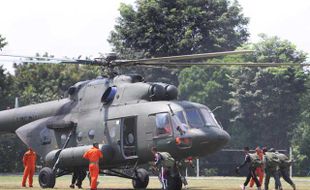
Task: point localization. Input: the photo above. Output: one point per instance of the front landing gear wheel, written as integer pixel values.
(47, 178)
(142, 179)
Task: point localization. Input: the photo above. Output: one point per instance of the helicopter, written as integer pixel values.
(126, 115)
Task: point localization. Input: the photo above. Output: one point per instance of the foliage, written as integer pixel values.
(11, 151)
(164, 28)
(161, 28)
(301, 137)
(267, 100)
(274, 50)
(2, 42)
(6, 83)
(267, 103)
(35, 83)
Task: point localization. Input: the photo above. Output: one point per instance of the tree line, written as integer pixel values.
(257, 106)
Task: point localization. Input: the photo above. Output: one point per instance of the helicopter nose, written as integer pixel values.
(223, 138)
(207, 141)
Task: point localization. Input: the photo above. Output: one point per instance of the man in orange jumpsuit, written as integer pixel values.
(93, 155)
(29, 161)
(260, 170)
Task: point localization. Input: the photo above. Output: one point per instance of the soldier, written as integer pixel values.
(93, 155)
(259, 170)
(271, 162)
(78, 176)
(183, 166)
(29, 161)
(165, 164)
(253, 161)
(285, 163)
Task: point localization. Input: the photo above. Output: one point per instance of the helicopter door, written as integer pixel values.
(129, 137)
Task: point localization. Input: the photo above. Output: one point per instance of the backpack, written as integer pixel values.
(284, 160)
(272, 160)
(255, 160)
(168, 160)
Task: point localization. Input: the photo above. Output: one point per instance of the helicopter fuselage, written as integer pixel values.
(126, 116)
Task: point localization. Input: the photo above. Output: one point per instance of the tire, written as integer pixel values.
(47, 178)
(142, 179)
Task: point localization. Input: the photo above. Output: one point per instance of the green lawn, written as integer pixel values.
(108, 183)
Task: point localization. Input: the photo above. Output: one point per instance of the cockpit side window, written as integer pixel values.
(194, 118)
(181, 117)
(163, 124)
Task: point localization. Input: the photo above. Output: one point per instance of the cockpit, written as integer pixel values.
(183, 120)
(192, 127)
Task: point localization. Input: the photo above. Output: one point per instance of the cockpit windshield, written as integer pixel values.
(194, 118)
(199, 118)
(209, 118)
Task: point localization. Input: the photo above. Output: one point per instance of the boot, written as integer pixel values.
(294, 187)
(242, 187)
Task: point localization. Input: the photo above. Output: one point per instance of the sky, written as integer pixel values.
(79, 27)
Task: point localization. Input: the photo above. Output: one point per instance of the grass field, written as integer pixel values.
(113, 183)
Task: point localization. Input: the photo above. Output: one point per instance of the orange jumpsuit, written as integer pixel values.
(260, 170)
(29, 161)
(93, 155)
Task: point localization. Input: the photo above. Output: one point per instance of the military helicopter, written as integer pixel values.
(126, 115)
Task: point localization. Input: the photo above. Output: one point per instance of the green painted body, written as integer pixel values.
(125, 127)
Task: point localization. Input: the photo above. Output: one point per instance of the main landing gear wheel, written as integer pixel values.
(47, 178)
(142, 179)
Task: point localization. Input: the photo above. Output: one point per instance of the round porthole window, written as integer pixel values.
(63, 138)
(91, 134)
(130, 139)
(80, 136)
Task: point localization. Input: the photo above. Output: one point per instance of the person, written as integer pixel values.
(284, 165)
(259, 170)
(93, 155)
(253, 161)
(271, 162)
(29, 161)
(165, 164)
(78, 176)
(183, 166)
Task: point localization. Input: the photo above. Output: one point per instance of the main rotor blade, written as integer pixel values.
(182, 57)
(248, 64)
(51, 60)
(35, 57)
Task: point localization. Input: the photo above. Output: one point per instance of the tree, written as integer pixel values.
(10, 146)
(161, 28)
(165, 28)
(36, 83)
(2, 42)
(5, 82)
(267, 105)
(266, 101)
(301, 136)
(274, 50)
